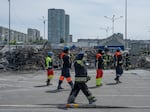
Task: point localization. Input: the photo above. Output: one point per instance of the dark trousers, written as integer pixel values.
(65, 73)
(80, 86)
(119, 70)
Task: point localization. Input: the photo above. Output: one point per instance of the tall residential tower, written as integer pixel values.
(58, 26)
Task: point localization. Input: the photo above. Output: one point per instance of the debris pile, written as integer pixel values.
(144, 62)
(30, 58)
(22, 59)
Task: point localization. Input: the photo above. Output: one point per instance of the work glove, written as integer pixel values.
(88, 78)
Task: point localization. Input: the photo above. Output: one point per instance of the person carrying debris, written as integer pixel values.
(118, 61)
(99, 67)
(81, 77)
(49, 67)
(65, 68)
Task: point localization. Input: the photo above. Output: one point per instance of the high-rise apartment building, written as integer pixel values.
(58, 26)
(67, 28)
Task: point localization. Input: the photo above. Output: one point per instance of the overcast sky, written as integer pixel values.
(86, 16)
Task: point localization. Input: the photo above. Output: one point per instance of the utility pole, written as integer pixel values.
(113, 20)
(9, 26)
(106, 29)
(126, 42)
(44, 21)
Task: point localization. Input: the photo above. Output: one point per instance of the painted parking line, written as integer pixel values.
(124, 95)
(17, 89)
(74, 106)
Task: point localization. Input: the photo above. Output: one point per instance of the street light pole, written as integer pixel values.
(9, 26)
(126, 43)
(106, 29)
(113, 20)
(44, 20)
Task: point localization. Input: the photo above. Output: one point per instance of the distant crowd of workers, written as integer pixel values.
(102, 61)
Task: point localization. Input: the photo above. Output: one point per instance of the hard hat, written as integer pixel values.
(100, 50)
(80, 55)
(118, 49)
(49, 53)
(66, 48)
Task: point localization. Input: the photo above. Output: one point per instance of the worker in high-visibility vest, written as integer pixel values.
(106, 59)
(118, 59)
(81, 77)
(49, 67)
(65, 68)
(99, 68)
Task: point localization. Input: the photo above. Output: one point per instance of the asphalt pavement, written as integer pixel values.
(27, 92)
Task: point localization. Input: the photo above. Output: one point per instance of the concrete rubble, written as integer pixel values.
(22, 59)
(30, 58)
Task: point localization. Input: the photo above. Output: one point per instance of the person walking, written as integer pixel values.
(65, 70)
(118, 61)
(81, 77)
(99, 67)
(49, 67)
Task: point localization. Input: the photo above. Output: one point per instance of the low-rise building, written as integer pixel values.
(14, 35)
(33, 35)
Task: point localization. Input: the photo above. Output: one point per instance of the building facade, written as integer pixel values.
(14, 35)
(140, 46)
(69, 39)
(33, 35)
(67, 28)
(58, 26)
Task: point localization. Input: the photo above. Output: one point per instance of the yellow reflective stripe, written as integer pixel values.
(72, 105)
(98, 81)
(50, 76)
(80, 62)
(76, 105)
(80, 79)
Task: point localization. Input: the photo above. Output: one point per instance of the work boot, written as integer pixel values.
(59, 87)
(92, 100)
(98, 85)
(48, 82)
(117, 79)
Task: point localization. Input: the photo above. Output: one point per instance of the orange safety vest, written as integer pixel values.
(98, 56)
(62, 55)
(117, 53)
(61, 58)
